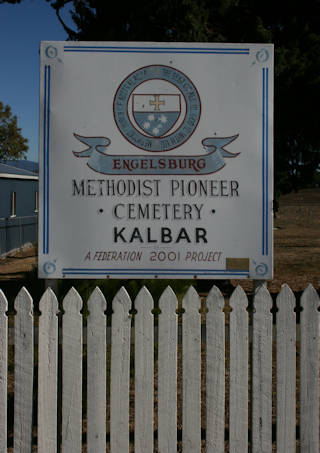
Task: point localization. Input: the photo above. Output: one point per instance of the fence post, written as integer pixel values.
(20, 232)
(48, 373)
(72, 373)
(191, 372)
(167, 372)
(144, 372)
(215, 376)
(286, 371)
(23, 372)
(262, 372)
(120, 373)
(3, 370)
(239, 343)
(309, 371)
(96, 372)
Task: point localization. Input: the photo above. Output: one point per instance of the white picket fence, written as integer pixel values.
(251, 382)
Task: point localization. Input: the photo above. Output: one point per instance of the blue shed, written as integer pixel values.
(18, 206)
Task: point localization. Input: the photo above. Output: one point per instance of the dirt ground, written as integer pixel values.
(296, 246)
(296, 243)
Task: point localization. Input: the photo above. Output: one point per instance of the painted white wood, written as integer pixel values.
(167, 372)
(191, 369)
(96, 373)
(48, 373)
(286, 371)
(23, 372)
(120, 373)
(309, 371)
(215, 372)
(72, 373)
(262, 372)
(3, 371)
(238, 419)
(167, 397)
(144, 372)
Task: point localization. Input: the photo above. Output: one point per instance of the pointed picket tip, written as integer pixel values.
(143, 298)
(168, 292)
(97, 302)
(191, 299)
(72, 302)
(168, 299)
(122, 293)
(215, 299)
(238, 298)
(310, 297)
(3, 303)
(23, 302)
(286, 296)
(191, 292)
(49, 292)
(285, 289)
(122, 297)
(262, 298)
(49, 302)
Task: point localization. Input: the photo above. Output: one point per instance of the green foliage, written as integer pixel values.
(110, 287)
(292, 26)
(12, 143)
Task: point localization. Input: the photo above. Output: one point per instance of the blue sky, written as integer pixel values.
(22, 27)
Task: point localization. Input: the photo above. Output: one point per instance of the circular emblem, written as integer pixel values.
(157, 108)
(262, 56)
(49, 268)
(261, 269)
(51, 52)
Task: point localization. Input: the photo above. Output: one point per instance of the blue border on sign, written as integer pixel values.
(138, 49)
(265, 157)
(46, 144)
(265, 161)
(148, 272)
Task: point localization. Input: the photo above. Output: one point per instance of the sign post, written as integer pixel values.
(156, 160)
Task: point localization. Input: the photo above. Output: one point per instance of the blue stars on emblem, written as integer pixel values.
(156, 114)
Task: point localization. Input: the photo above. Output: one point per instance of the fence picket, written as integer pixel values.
(48, 373)
(167, 372)
(144, 371)
(309, 371)
(96, 373)
(23, 363)
(72, 373)
(3, 370)
(215, 373)
(191, 374)
(120, 373)
(238, 421)
(286, 371)
(262, 373)
(261, 397)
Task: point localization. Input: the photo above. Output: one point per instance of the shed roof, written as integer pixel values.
(8, 171)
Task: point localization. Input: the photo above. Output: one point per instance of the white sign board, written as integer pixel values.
(156, 160)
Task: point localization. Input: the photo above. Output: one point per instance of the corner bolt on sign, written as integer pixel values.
(156, 160)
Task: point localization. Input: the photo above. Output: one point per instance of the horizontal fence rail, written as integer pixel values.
(241, 379)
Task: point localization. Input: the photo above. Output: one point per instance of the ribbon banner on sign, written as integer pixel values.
(109, 164)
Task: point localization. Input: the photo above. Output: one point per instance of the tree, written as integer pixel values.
(291, 25)
(12, 144)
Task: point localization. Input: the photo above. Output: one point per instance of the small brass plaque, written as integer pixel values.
(237, 264)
